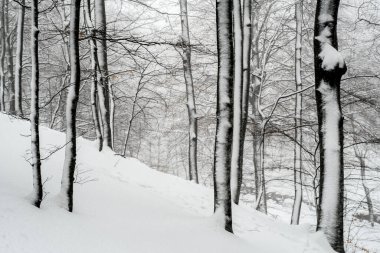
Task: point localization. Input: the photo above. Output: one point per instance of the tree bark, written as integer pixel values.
(236, 169)
(67, 184)
(94, 83)
(2, 57)
(191, 108)
(296, 211)
(34, 108)
(329, 68)
(103, 91)
(224, 112)
(19, 54)
(9, 53)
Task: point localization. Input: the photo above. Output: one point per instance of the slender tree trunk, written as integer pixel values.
(9, 52)
(2, 56)
(67, 184)
(329, 68)
(257, 119)
(94, 83)
(191, 109)
(298, 119)
(104, 90)
(366, 191)
(236, 170)
(224, 112)
(19, 54)
(34, 108)
(247, 42)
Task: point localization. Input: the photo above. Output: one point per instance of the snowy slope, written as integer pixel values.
(121, 205)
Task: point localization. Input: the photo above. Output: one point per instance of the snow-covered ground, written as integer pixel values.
(121, 205)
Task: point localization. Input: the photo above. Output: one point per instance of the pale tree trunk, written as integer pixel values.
(2, 56)
(94, 83)
(296, 211)
(191, 109)
(19, 54)
(9, 53)
(257, 118)
(34, 108)
(104, 91)
(247, 42)
(329, 68)
(224, 112)
(236, 169)
(67, 183)
(366, 190)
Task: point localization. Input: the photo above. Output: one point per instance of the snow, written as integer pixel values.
(332, 157)
(121, 205)
(330, 57)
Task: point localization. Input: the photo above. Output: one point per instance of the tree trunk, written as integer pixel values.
(34, 108)
(224, 113)
(191, 109)
(236, 170)
(19, 54)
(9, 52)
(2, 57)
(104, 89)
(247, 41)
(67, 184)
(298, 119)
(94, 83)
(329, 68)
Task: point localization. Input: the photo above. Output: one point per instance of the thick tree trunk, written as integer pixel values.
(298, 119)
(94, 83)
(9, 52)
(34, 108)
(19, 54)
(236, 169)
(224, 112)
(104, 89)
(67, 184)
(329, 68)
(191, 109)
(2, 56)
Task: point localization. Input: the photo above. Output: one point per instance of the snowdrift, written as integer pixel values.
(121, 205)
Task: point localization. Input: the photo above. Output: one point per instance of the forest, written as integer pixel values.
(268, 109)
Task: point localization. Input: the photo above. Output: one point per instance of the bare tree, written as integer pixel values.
(191, 108)
(2, 56)
(224, 112)
(34, 108)
(19, 54)
(67, 184)
(236, 169)
(329, 68)
(298, 119)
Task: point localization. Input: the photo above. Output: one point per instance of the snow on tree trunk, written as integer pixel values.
(187, 72)
(247, 41)
(34, 108)
(329, 68)
(298, 119)
(19, 54)
(236, 170)
(94, 83)
(67, 183)
(2, 57)
(224, 112)
(104, 89)
(9, 52)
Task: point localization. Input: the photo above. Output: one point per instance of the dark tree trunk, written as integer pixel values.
(329, 68)
(224, 112)
(67, 185)
(34, 108)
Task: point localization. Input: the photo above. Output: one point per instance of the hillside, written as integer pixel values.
(121, 205)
